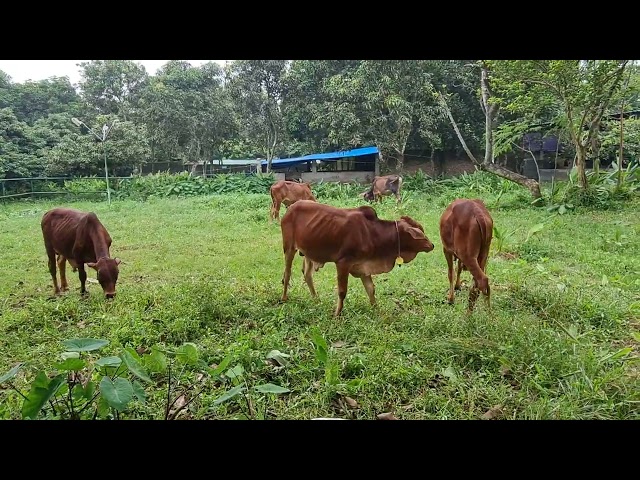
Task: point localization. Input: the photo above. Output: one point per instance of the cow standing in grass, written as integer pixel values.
(355, 239)
(287, 193)
(466, 230)
(382, 186)
(80, 238)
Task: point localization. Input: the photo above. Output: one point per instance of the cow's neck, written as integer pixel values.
(388, 242)
(100, 247)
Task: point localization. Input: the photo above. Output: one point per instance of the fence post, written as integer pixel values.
(31, 182)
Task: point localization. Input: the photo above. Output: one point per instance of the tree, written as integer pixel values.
(582, 89)
(18, 147)
(304, 99)
(256, 88)
(113, 86)
(186, 111)
(82, 154)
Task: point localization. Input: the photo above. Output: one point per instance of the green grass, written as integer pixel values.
(207, 270)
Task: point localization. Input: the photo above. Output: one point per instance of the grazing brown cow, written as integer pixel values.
(382, 186)
(466, 229)
(80, 238)
(355, 239)
(287, 193)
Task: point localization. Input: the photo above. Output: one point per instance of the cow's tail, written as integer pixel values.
(483, 232)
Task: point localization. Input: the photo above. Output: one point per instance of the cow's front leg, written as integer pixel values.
(83, 278)
(343, 282)
(62, 266)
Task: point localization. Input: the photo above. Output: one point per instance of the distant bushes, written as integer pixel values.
(602, 191)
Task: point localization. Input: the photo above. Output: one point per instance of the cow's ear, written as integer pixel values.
(412, 222)
(92, 265)
(118, 261)
(416, 233)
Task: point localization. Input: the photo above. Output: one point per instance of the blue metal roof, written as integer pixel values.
(331, 156)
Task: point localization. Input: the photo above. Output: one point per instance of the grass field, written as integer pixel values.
(560, 343)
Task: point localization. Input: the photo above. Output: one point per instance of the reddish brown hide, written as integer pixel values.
(80, 238)
(355, 239)
(466, 230)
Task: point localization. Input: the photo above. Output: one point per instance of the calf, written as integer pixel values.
(382, 186)
(81, 239)
(466, 229)
(287, 193)
(355, 239)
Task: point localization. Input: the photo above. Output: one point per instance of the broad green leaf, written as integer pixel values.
(134, 366)
(214, 372)
(450, 373)
(234, 372)
(103, 407)
(138, 391)
(84, 344)
(117, 393)
(321, 347)
(271, 388)
(78, 392)
(42, 389)
(73, 364)
(65, 355)
(188, 353)
(279, 357)
(229, 394)
(108, 362)
(133, 352)
(156, 361)
(533, 230)
(562, 209)
(89, 390)
(11, 373)
(636, 336)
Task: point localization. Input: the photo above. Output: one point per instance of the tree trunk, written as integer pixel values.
(528, 183)
(400, 162)
(581, 155)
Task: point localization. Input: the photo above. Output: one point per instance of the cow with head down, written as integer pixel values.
(287, 193)
(355, 239)
(383, 186)
(80, 238)
(466, 230)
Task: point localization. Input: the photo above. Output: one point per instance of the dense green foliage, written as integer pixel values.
(276, 108)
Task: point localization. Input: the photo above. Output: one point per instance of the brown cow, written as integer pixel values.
(80, 238)
(355, 239)
(381, 186)
(287, 193)
(466, 229)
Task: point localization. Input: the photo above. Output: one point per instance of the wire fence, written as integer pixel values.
(38, 187)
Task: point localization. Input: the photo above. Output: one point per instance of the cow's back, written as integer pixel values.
(59, 227)
(323, 232)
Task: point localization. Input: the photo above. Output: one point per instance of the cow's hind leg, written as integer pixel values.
(307, 269)
(288, 261)
(460, 266)
(62, 266)
(370, 288)
(451, 295)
